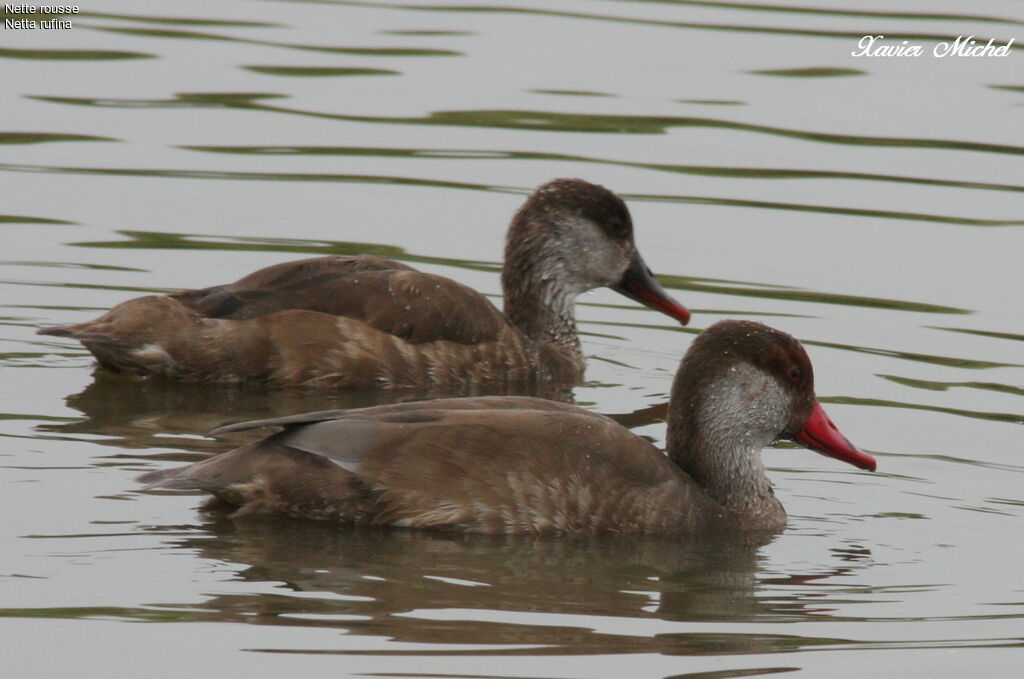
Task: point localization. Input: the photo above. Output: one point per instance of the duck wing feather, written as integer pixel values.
(389, 296)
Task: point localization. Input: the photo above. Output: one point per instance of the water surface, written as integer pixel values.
(871, 207)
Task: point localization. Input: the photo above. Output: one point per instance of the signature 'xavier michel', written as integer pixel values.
(366, 322)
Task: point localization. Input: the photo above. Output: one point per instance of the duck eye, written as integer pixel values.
(795, 374)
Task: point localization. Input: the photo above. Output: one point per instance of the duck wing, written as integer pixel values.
(387, 295)
(407, 412)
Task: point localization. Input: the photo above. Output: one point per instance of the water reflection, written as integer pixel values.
(380, 575)
(333, 49)
(434, 183)
(71, 55)
(551, 121)
(44, 137)
(182, 21)
(698, 170)
(317, 71)
(428, 588)
(139, 414)
(810, 72)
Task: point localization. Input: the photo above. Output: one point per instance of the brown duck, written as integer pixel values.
(507, 464)
(365, 322)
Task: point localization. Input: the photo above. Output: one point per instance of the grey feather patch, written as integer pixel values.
(302, 418)
(343, 442)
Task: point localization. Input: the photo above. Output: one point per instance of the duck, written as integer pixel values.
(526, 465)
(364, 322)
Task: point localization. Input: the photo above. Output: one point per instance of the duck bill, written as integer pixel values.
(638, 283)
(821, 436)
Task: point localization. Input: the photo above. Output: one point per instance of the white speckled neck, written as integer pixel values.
(736, 416)
(555, 264)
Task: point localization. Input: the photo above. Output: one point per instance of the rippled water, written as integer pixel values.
(870, 206)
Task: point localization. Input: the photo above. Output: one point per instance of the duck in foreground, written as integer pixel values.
(526, 465)
(370, 323)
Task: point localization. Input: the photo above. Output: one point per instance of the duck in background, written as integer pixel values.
(370, 323)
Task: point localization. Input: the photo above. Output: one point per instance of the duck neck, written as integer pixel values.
(717, 438)
(543, 310)
(540, 293)
(734, 477)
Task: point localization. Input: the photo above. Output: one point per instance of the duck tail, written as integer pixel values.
(84, 334)
(265, 478)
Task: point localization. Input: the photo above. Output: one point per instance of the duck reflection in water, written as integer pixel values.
(387, 583)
